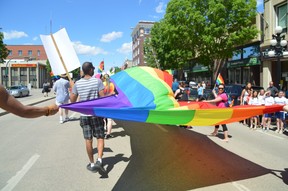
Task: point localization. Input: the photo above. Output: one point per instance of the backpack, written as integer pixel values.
(228, 102)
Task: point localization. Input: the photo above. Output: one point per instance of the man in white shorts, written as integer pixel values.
(61, 88)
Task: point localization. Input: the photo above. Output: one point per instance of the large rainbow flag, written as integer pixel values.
(144, 96)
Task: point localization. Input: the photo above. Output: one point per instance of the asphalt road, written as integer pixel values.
(41, 154)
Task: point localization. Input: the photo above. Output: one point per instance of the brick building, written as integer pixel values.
(24, 64)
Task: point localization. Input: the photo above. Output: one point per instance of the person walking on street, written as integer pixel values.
(220, 100)
(46, 89)
(108, 90)
(88, 88)
(12, 105)
(200, 92)
(61, 88)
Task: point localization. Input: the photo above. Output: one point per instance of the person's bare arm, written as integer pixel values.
(12, 105)
(241, 97)
(101, 93)
(73, 97)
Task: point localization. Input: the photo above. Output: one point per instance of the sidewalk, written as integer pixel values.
(34, 98)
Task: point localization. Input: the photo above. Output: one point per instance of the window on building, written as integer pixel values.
(236, 55)
(251, 51)
(10, 53)
(38, 52)
(147, 30)
(19, 52)
(282, 16)
(29, 52)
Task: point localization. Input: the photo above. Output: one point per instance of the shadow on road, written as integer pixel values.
(172, 158)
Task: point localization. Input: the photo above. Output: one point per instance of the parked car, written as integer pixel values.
(18, 91)
(234, 91)
(207, 94)
(193, 84)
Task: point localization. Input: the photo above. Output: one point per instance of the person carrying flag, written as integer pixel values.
(220, 99)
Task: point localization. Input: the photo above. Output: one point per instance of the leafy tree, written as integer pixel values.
(3, 49)
(75, 72)
(205, 30)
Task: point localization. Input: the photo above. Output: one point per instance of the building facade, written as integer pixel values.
(139, 33)
(275, 14)
(25, 64)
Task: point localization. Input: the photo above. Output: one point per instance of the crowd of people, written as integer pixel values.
(269, 97)
(89, 87)
(248, 96)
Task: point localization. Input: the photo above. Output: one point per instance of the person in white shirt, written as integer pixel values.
(261, 102)
(203, 85)
(280, 116)
(268, 100)
(254, 101)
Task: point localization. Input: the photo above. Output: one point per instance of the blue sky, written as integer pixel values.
(99, 30)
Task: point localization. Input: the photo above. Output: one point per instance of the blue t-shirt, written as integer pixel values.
(61, 87)
(175, 86)
(200, 90)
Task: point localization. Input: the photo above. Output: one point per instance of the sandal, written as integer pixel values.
(213, 134)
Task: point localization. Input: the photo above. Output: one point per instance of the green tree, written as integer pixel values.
(3, 49)
(75, 72)
(205, 30)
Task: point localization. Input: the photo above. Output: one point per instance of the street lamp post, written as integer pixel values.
(278, 46)
(6, 73)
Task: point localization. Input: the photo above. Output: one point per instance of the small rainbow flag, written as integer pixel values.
(219, 80)
(101, 67)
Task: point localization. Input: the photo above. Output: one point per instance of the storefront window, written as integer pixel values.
(246, 75)
(23, 76)
(32, 77)
(236, 55)
(251, 51)
(282, 16)
(15, 76)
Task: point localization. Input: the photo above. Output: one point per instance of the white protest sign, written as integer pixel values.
(65, 51)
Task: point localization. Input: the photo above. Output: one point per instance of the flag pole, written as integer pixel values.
(216, 81)
(59, 54)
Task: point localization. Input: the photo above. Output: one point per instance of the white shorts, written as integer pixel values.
(57, 103)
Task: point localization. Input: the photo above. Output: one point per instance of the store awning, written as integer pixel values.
(199, 68)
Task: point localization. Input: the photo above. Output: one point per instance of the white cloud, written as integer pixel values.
(111, 36)
(14, 34)
(87, 50)
(35, 38)
(160, 8)
(126, 48)
(259, 3)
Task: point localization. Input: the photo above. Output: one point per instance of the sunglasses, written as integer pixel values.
(221, 88)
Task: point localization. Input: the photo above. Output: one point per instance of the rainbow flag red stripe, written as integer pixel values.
(219, 80)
